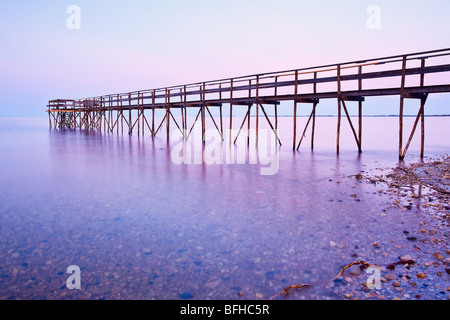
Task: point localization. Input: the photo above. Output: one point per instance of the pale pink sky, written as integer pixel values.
(131, 45)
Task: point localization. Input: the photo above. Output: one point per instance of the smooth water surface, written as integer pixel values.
(140, 226)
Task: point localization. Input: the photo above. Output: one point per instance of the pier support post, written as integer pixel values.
(400, 117)
(295, 111)
(360, 112)
(248, 124)
(339, 108)
(422, 115)
(203, 114)
(231, 109)
(153, 112)
(130, 129)
(167, 113)
(257, 111)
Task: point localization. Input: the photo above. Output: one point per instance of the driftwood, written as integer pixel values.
(300, 286)
(360, 262)
(286, 290)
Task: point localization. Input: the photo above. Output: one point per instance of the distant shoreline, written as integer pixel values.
(298, 116)
(365, 116)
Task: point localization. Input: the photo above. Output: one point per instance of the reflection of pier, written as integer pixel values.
(343, 82)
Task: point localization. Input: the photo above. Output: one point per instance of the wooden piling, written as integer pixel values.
(138, 114)
(231, 108)
(203, 88)
(257, 110)
(167, 101)
(339, 107)
(153, 112)
(142, 114)
(295, 110)
(248, 123)
(185, 109)
(422, 108)
(130, 129)
(313, 129)
(360, 112)
(220, 111)
(400, 117)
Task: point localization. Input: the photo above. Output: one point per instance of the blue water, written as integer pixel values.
(140, 226)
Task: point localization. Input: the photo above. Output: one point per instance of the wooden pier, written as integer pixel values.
(400, 75)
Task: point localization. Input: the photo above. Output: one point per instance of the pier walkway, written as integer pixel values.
(408, 76)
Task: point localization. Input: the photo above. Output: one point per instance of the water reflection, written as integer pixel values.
(142, 227)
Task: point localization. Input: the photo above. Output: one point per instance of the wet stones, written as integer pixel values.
(421, 275)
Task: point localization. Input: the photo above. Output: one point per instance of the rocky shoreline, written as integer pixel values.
(422, 186)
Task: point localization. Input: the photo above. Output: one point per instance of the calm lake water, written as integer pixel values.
(141, 226)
